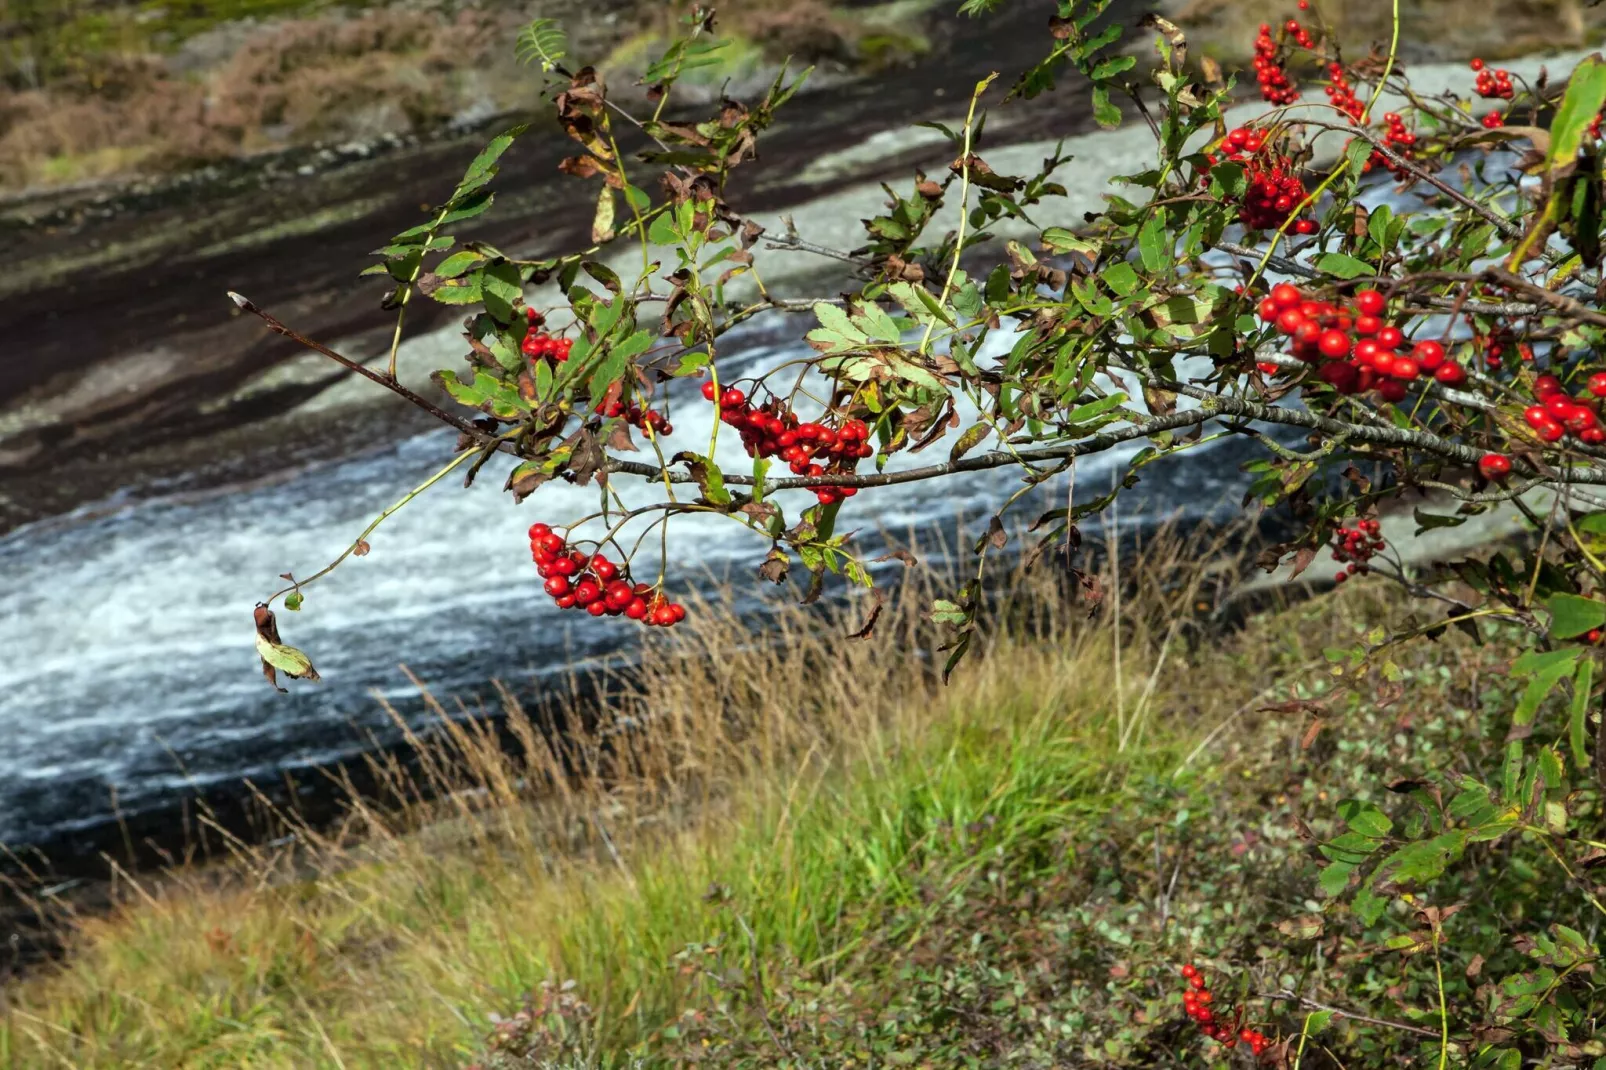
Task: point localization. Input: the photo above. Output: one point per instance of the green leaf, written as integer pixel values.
(946, 612)
(1369, 906)
(1121, 277)
(662, 230)
(482, 165)
(1571, 615)
(458, 264)
(1586, 93)
(468, 290)
(1083, 413)
(542, 41)
(1060, 240)
(1334, 878)
(833, 319)
(1344, 266)
(474, 204)
(1365, 818)
(486, 392)
(502, 289)
(1112, 67)
(1575, 725)
(1422, 862)
(1105, 114)
(1154, 243)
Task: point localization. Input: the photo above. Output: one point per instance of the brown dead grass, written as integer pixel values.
(300, 81)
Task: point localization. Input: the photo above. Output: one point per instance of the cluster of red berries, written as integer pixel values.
(1274, 187)
(1355, 547)
(1196, 1001)
(1342, 94)
(1355, 348)
(1275, 88)
(1492, 84)
(773, 430)
(1557, 414)
(1495, 344)
(1494, 120)
(636, 416)
(591, 582)
(1397, 137)
(538, 343)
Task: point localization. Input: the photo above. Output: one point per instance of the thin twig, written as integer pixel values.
(1386, 1023)
(390, 384)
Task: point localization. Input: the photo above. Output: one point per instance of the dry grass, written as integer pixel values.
(298, 81)
(728, 760)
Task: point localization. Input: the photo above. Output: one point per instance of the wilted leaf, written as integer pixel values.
(275, 655)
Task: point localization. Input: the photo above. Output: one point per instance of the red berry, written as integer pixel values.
(597, 609)
(663, 616)
(566, 602)
(1367, 324)
(1535, 415)
(1429, 352)
(708, 390)
(1267, 310)
(1546, 385)
(732, 398)
(1390, 337)
(636, 609)
(1333, 343)
(557, 586)
(539, 531)
(1286, 295)
(1370, 302)
(1592, 636)
(587, 592)
(1550, 430)
(1450, 373)
(1597, 384)
(1494, 465)
(1392, 390)
(1405, 368)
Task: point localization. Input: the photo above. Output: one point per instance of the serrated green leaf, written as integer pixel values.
(458, 264)
(502, 290)
(481, 166)
(1154, 242)
(1572, 615)
(1344, 266)
(1365, 818)
(1334, 878)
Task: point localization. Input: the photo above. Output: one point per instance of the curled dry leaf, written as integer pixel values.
(276, 657)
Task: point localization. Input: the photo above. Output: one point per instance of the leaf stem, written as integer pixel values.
(964, 203)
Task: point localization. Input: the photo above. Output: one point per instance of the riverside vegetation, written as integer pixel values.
(954, 817)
